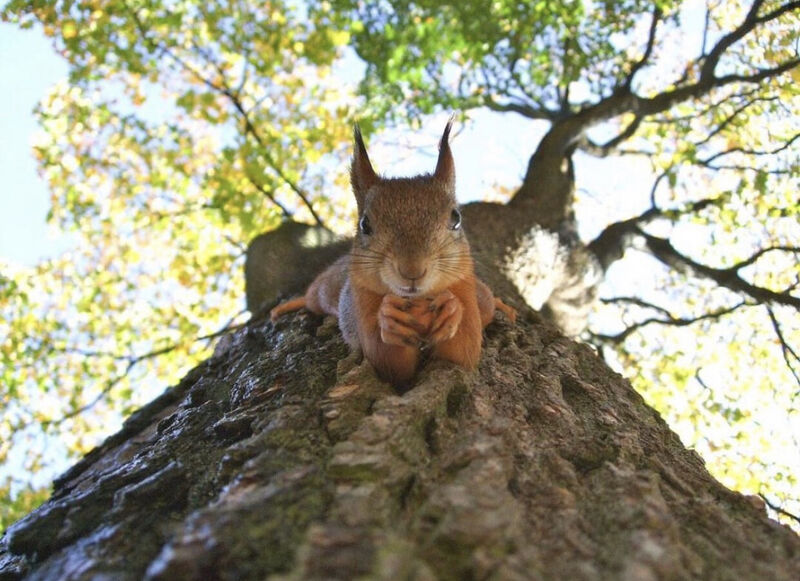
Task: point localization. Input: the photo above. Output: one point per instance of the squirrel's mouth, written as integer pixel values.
(409, 291)
(413, 290)
(407, 287)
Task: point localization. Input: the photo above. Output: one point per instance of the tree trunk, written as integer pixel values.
(281, 458)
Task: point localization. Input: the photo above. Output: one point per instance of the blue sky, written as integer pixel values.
(28, 67)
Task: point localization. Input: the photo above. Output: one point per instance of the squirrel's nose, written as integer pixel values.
(412, 274)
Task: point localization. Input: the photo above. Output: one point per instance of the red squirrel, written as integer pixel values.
(408, 285)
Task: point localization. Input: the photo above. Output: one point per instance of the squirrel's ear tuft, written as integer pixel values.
(445, 166)
(362, 176)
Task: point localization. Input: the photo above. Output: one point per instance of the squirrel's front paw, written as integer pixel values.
(400, 324)
(448, 311)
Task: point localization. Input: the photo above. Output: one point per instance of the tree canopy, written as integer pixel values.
(185, 129)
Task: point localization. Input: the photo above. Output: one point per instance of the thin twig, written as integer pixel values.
(269, 194)
(745, 151)
(651, 41)
(670, 321)
(778, 509)
(786, 349)
(132, 360)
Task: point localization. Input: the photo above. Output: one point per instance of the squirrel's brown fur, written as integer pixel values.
(408, 283)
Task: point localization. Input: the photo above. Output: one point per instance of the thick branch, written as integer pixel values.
(612, 242)
(712, 59)
(547, 188)
(623, 100)
(750, 22)
(610, 245)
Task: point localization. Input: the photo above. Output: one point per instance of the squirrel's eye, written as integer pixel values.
(364, 226)
(455, 219)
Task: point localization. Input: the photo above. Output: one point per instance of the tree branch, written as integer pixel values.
(610, 245)
(547, 187)
(132, 360)
(727, 277)
(624, 100)
(612, 145)
(664, 101)
(520, 108)
(669, 319)
(789, 354)
(716, 104)
(269, 194)
(730, 118)
(706, 26)
(638, 302)
(752, 259)
(778, 509)
(651, 40)
(745, 151)
(750, 22)
(264, 150)
(712, 59)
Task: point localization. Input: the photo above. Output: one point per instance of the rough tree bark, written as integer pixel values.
(281, 458)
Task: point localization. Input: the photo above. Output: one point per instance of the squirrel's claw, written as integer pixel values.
(402, 316)
(395, 334)
(397, 326)
(509, 311)
(449, 312)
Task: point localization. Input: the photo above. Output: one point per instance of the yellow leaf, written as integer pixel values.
(69, 30)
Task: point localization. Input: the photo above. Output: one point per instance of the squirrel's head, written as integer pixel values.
(409, 241)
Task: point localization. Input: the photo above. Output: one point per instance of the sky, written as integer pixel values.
(28, 67)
